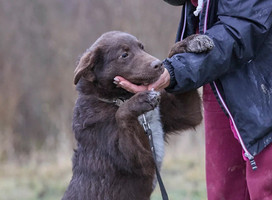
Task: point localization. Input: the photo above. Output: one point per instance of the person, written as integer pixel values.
(236, 76)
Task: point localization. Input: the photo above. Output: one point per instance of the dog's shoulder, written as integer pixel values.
(89, 110)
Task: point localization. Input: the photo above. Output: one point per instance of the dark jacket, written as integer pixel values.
(239, 67)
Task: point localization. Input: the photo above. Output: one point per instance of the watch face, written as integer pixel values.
(175, 2)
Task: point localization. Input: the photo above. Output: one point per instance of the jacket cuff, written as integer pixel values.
(167, 65)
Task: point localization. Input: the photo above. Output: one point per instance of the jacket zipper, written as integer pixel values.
(246, 154)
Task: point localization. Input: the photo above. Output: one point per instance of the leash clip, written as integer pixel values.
(145, 124)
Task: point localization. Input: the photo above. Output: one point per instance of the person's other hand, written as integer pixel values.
(160, 84)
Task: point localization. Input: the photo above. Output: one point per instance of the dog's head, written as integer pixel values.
(117, 53)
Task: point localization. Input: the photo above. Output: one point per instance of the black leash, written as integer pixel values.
(150, 138)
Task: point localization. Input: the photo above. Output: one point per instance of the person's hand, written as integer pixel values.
(160, 84)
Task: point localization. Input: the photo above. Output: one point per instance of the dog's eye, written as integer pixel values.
(124, 55)
(141, 46)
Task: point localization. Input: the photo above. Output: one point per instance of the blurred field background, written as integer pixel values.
(40, 42)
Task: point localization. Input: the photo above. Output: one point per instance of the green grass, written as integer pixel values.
(31, 183)
(182, 173)
(183, 180)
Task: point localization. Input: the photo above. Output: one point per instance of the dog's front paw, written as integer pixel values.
(146, 101)
(153, 98)
(142, 102)
(195, 44)
(199, 43)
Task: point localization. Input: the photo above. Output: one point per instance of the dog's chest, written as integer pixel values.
(154, 120)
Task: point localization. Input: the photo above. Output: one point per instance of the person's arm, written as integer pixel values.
(238, 35)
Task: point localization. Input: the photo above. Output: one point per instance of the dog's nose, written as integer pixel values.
(156, 64)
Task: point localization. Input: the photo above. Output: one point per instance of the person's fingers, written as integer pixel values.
(125, 84)
(132, 87)
(162, 82)
(119, 79)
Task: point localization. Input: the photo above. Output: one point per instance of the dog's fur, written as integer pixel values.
(113, 160)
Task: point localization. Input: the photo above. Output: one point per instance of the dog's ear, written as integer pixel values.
(86, 65)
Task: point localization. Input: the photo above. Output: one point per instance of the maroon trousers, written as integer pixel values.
(228, 175)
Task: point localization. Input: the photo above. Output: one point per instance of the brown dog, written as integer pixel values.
(113, 160)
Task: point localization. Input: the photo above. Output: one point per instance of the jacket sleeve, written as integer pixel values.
(241, 29)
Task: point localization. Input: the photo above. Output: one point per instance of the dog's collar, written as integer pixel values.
(117, 102)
